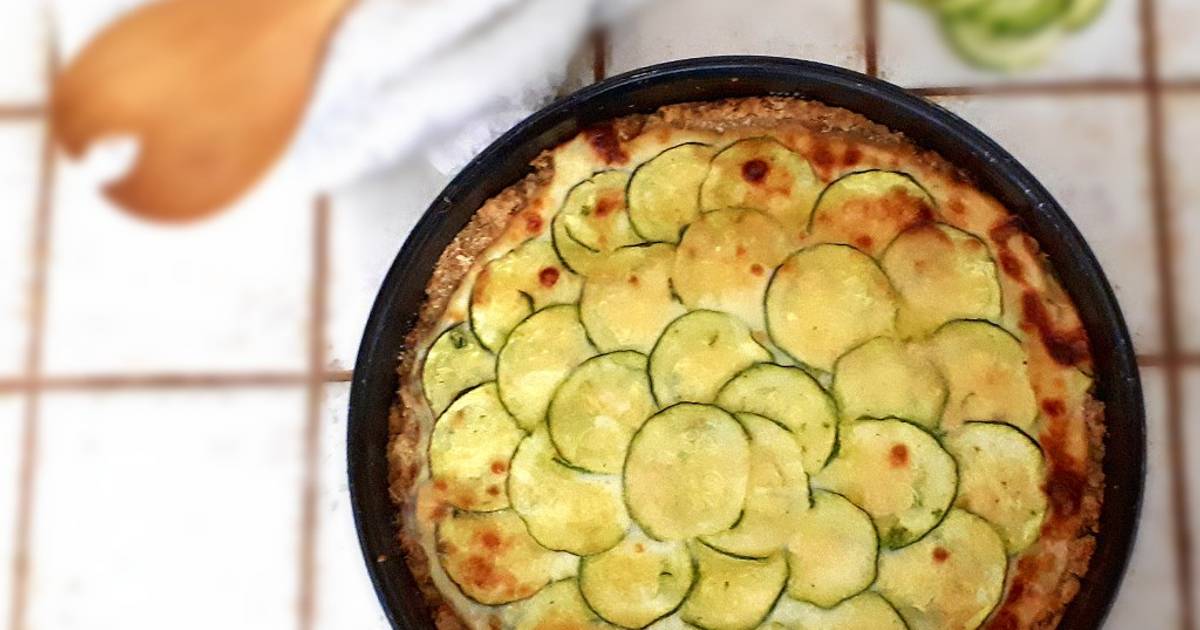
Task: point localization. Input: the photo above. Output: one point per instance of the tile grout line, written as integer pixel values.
(315, 382)
(27, 483)
(21, 111)
(599, 41)
(1165, 261)
(173, 380)
(870, 28)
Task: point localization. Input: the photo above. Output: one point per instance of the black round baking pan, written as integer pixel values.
(930, 126)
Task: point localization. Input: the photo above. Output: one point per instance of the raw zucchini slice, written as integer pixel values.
(514, 285)
(984, 366)
(725, 260)
(868, 209)
(687, 472)
(558, 606)
(638, 581)
(1020, 17)
(762, 174)
(1001, 472)
(628, 302)
(791, 397)
(455, 363)
(884, 378)
(469, 450)
(897, 473)
(1080, 13)
(867, 611)
(952, 578)
(491, 556)
(777, 495)
(988, 48)
(732, 593)
(540, 353)
(664, 193)
(598, 408)
(565, 508)
(941, 273)
(594, 213)
(826, 299)
(697, 353)
(832, 553)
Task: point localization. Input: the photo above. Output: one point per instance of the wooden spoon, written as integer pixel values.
(211, 89)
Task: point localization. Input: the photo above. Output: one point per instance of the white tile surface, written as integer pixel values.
(1089, 151)
(819, 30)
(23, 48)
(11, 416)
(345, 597)
(369, 223)
(167, 509)
(913, 52)
(1179, 48)
(227, 293)
(1183, 153)
(1149, 598)
(20, 160)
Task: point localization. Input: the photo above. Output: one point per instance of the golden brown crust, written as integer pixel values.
(1076, 484)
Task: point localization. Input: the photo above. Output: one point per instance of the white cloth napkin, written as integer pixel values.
(437, 77)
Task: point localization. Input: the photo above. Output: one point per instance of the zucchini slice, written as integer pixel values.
(789, 396)
(952, 578)
(825, 300)
(725, 260)
(698, 353)
(514, 285)
(762, 174)
(1080, 13)
(638, 581)
(1001, 472)
(491, 556)
(628, 302)
(566, 509)
(540, 353)
(732, 593)
(886, 378)
(664, 192)
(868, 209)
(777, 495)
(985, 367)
(866, 611)
(832, 554)
(687, 472)
(455, 363)
(573, 254)
(594, 212)
(988, 48)
(598, 408)
(941, 273)
(470, 448)
(1019, 17)
(897, 473)
(558, 606)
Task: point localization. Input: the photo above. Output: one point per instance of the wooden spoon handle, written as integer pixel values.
(211, 89)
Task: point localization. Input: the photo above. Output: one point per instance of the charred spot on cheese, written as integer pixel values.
(777, 181)
(942, 274)
(1067, 348)
(698, 353)
(628, 304)
(638, 581)
(541, 351)
(826, 299)
(715, 262)
(455, 363)
(897, 473)
(955, 588)
(664, 192)
(470, 448)
(868, 209)
(604, 141)
(511, 287)
(491, 556)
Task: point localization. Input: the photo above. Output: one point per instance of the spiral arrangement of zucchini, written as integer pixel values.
(720, 394)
